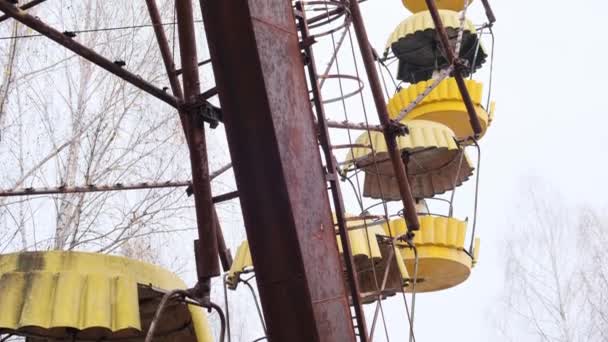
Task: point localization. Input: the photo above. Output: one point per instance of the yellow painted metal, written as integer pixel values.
(423, 21)
(363, 242)
(476, 246)
(434, 165)
(416, 6)
(370, 257)
(48, 293)
(443, 105)
(442, 260)
(242, 263)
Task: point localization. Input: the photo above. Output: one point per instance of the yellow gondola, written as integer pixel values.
(371, 260)
(414, 43)
(443, 105)
(436, 163)
(91, 297)
(443, 261)
(416, 6)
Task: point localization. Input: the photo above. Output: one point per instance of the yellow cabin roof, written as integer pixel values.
(416, 6)
(443, 105)
(434, 165)
(443, 261)
(99, 296)
(423, 21)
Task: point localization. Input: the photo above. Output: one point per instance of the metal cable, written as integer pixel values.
(476, 195)
(257, 304)
(343, 102)
(461, 29)
(184, 296)
(358, 191)
(461, 150)
(491, 70)
(227, 307)
(385, 207)
(103, 29)
(477, 49)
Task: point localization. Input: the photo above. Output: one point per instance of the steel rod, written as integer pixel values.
(353, 126)
(84, 52)
(332, 169)
(390, 134)
(24, 7)
(489, 11)
(165, 49)
(90, 188)
(207, 258)
(454, 60)
(105, 187)
(226, 197)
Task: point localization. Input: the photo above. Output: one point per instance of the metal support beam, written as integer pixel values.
(165, 50)
(84, 52)
(390, 133)
(272, 138)
(455, 61)
(106, 187)
(207, 256)
(24, 7)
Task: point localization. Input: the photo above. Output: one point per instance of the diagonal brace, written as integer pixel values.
(84, 52)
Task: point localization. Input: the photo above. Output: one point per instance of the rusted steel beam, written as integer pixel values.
(90, 188)
(84, 52)
(489, 11)
(180, 71)
(272, 138)
(455, 61)
(106, 187)
(24, 7)
(207, 256)
(176, 88)
(165, 50)
(390, 133)
(225, 197)
(333, 178)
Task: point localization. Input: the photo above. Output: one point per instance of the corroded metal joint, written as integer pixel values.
(462, 66)
(397, 128)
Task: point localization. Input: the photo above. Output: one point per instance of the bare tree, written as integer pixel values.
(555, 281)
(70, 123)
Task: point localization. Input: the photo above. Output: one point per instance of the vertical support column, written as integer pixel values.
(207, 251)
(271, 133)
(390, 133)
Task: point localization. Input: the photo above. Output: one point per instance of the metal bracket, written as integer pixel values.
(397, 128)
(206, 111)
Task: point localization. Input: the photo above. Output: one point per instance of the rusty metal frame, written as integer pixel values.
(207, 252)
(23, 8)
